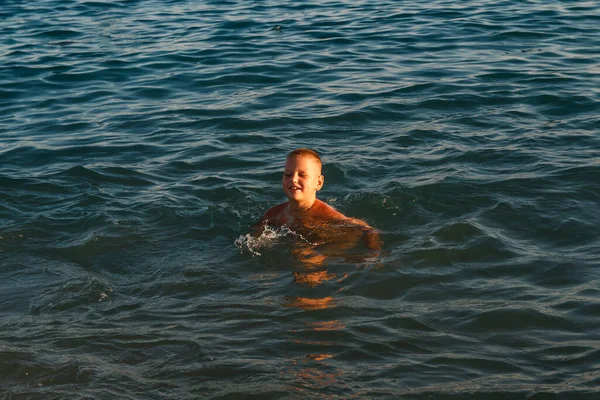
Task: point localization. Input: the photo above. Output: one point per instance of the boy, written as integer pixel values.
(305, 214)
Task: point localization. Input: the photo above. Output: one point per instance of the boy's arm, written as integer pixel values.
(370, 235)
(372, 240)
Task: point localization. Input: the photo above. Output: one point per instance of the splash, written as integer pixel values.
(270, 237)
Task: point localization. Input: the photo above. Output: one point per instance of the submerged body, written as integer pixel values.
(321, 224)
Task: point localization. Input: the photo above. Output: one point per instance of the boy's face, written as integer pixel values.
(301, 180)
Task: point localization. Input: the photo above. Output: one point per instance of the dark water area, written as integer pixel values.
(139, 141)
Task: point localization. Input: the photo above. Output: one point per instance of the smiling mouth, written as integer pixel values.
(294, 188)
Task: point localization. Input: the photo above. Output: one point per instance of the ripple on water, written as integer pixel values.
(140, 140)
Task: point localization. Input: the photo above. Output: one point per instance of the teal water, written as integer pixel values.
(139, 140)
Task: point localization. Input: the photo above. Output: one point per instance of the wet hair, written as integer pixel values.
(306, 152)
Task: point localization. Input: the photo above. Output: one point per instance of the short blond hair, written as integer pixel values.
(306, 152)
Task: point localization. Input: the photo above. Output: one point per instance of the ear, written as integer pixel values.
(320, 181)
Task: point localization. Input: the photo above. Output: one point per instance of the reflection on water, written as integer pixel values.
(312, 278)
(333, 325)
(319, 260)
(314, 378)
(314, 371)
(318, 357)
(310, 304)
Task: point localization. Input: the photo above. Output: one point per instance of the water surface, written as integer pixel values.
(139, 140)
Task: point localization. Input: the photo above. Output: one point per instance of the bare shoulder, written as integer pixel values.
(324, 210)
(359, 222)
(274, 214)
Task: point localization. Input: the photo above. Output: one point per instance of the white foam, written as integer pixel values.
(270, 237)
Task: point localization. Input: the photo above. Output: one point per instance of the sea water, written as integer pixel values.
(139, 141)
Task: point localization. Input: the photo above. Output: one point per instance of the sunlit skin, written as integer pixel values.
(309, 216)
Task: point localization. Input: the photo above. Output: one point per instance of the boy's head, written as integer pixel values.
(302, 177)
